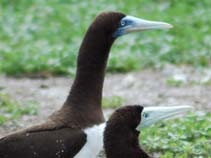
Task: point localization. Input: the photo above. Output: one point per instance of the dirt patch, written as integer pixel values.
(148, 87)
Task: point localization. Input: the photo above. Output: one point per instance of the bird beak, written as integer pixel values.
(151, 115)
(137, 25)
(132, 24)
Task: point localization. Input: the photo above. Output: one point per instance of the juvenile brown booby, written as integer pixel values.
(122, 129)
(64, 134)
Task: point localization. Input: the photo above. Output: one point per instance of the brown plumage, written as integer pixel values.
(121, 136)
(82, 108)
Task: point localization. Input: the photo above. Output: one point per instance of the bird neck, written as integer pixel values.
(86, 91)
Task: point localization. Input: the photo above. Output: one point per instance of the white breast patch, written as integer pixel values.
(94, 142)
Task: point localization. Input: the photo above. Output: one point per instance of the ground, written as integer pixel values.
(167, 86)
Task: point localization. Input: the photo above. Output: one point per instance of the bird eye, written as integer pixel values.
(145, 115)
(122, 23)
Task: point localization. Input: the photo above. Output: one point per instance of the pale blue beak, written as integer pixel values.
(130, 24)
(151, 115)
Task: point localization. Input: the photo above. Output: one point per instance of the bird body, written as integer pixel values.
(63, 143)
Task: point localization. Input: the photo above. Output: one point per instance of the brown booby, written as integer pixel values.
(64, 134)
(123, 128)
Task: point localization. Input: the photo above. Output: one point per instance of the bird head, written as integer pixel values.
(138, 117)
(117, 24)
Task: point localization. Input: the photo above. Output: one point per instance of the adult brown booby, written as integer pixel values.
(64, 134)
(122, 129)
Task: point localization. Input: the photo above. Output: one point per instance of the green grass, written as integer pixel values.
(188, 137)
(179, 83)
(11, 110)
(44, 36)
(112, 102)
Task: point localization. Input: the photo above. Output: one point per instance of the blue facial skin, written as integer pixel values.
(146, 115)
(124, 23)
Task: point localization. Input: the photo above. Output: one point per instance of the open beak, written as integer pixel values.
(151, 115)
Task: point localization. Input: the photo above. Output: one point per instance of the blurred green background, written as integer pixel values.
(41, 36)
